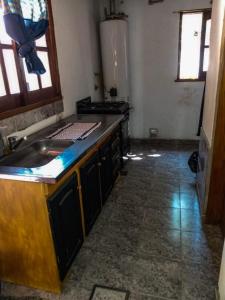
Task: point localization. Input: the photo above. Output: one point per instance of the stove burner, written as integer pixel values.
(84, 107)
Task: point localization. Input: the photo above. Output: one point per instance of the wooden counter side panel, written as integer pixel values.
(27, 253)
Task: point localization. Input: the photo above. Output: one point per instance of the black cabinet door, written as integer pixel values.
(124, 136)
(116, 165)
(90, 182)
(116, 155)
(106, 170)
(65, 217)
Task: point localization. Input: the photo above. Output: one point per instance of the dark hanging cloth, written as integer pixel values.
(26, 21)
(201, 113)
(193, 162)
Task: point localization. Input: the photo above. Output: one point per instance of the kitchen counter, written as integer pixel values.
(53, 171)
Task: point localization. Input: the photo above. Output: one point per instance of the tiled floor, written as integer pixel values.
(149, 238)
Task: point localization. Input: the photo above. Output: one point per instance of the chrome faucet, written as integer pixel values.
(14, 142)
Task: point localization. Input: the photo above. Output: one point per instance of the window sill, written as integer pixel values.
(189, 80)
(23, 109)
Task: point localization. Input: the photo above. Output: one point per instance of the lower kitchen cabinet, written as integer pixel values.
(105, 170)
(65, 216)
(116, 155)
(55, 218)
(91, 191)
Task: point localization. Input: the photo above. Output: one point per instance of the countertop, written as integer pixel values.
(54, 170)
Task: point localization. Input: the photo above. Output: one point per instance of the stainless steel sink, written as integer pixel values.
(36, 155)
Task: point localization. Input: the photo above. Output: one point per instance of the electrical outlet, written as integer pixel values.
(153, 132)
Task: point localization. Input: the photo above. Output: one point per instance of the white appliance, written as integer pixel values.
(114, 49)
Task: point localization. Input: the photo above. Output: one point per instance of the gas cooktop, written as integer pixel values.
(87, 107)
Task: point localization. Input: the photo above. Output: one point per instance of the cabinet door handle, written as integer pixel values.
(104, 158)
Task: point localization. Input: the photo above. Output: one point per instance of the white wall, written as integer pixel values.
(158, 101)
(78, 54)
(213, 72)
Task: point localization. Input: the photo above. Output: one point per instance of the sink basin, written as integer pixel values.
(36, 155)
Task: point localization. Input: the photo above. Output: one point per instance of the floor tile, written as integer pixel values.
(137, 182)
(74, 294)
(160, 199)
(167, 185)
(164, 174)
(116, 240)
(188, 188)
(144, 297)
(190, 220)
(151, 198)
(104, 269)
(132, 199)
(129, 217)
(189, 202)
(199, 282)
(159, 243)
(20, 298)
(156, 277)
(24, 293)
(200, 248)
(159, 278)
(188, 179)
(128, 193)
(101, 293)
(162, 218)
(12, 290)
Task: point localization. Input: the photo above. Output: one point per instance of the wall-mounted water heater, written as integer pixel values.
(114, 50)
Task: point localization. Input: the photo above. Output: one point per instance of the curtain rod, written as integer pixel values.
(192, 10)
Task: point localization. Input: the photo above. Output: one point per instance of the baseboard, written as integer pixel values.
(166, 142)
(204, 136)
(217, 294)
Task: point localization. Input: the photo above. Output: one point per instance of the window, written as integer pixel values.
(19, 90)
(194, 45)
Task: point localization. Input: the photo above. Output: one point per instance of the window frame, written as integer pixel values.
(13, 104)
(207, 13)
